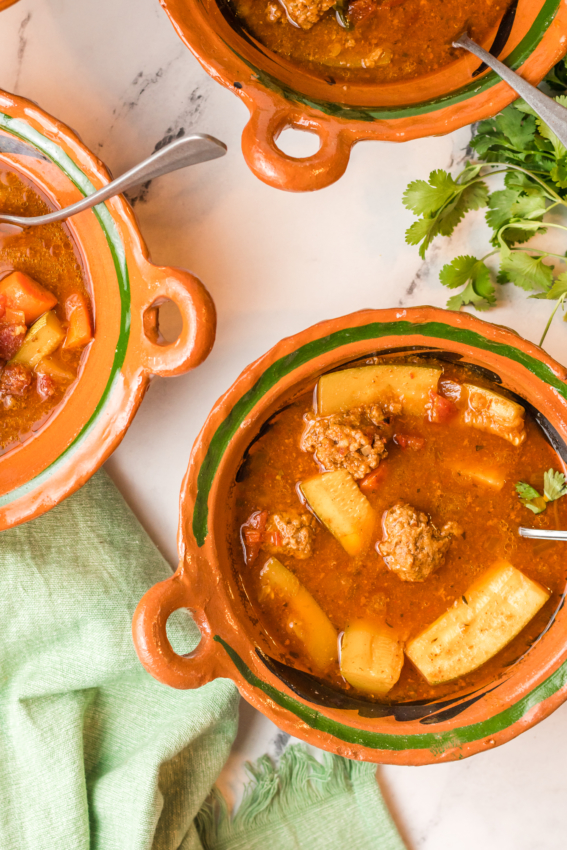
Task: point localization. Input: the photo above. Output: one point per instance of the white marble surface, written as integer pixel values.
(116, 72)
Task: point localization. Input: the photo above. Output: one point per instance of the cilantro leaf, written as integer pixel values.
(426, 198)
(479, 291)
(535, 508)
(554, 485)
(526, 271)
(526, 491)
(472, 197)
(559, 288)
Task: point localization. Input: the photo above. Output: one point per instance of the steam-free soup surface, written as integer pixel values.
(425, 467)
(386, 41)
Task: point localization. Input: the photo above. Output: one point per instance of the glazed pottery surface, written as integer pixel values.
(126, 290)
(5, 3)
(279, 95)
(206, 581)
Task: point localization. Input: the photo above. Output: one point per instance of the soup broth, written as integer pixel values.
(386, 41)
(461, 477)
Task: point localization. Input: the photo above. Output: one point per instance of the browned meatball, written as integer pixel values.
(412, 547)
(353, 441)
(305, 13)
(290, 533)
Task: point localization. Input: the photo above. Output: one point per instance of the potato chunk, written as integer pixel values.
(336, 499)
(480, 473)
(495, 608)
(491, 412)
(42, 339)
(302, 616)
(372, 656)
(386, 384)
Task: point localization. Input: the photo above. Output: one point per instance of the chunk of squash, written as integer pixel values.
(42, 339)
(26, 295)
(336, 499)
(495, 608)
(494, 413)
(407, 385)
(303, 617)
(372, 656)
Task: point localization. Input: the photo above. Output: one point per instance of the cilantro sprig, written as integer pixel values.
(554, 486)
(535, 184)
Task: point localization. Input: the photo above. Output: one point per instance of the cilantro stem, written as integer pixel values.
(555, 309)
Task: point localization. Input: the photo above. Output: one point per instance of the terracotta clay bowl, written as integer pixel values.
(232, 645)
(126, 290)
(5, 3)
(279, 95)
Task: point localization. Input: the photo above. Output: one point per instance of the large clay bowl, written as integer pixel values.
(205, 582)
(126, 289)
(279, 95)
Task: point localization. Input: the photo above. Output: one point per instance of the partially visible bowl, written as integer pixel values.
(126, 291)
(280, 95)
(456, 726)
(5, 3)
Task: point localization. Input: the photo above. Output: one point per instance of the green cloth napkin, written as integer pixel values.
(96, 754)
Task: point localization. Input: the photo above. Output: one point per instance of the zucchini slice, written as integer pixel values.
(336, 499)
(406, 385)
(372, 656)
(42, 339)
(303, 617)
(495, 608)
(491, 412)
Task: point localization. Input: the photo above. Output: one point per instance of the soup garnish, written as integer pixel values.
(45, 316)
(375, 534)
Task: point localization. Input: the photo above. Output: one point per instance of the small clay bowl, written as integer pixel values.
(279, 94)
(5, 3)
(126, 290)
(232, 645)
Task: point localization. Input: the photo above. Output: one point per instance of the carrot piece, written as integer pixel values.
(26, 295)
(408, 441)
(371, 480)
(79, 332)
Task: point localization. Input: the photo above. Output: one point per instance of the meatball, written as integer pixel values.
(305, 13)
(412, 547)
(290, 533)
(354, 441)
(15, 380)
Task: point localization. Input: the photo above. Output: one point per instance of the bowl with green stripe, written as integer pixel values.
(126, 291)
(207, 580)
(280, 94)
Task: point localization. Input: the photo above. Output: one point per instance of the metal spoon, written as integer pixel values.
(540, 534)
(188, 150)
(554, 115)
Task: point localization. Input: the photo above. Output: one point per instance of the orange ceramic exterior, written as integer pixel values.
(5, 3)
(205, 580)
(268, 85)
(67, 450)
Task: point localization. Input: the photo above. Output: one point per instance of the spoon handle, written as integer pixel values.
(188, 150)
(541, 534)
(554, 115)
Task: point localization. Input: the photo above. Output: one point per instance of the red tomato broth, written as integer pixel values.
(416, 36)
(348, 588)
(48, 255)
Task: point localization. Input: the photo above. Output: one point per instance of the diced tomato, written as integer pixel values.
(440, 409)
(359, 10)
(79, 332)
(372, 480)
(11, 339)
(408, 441)
(25, 294)
(252, 533)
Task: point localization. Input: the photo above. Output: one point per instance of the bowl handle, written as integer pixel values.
(199, 321)
(295, 174)
(153, 646)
